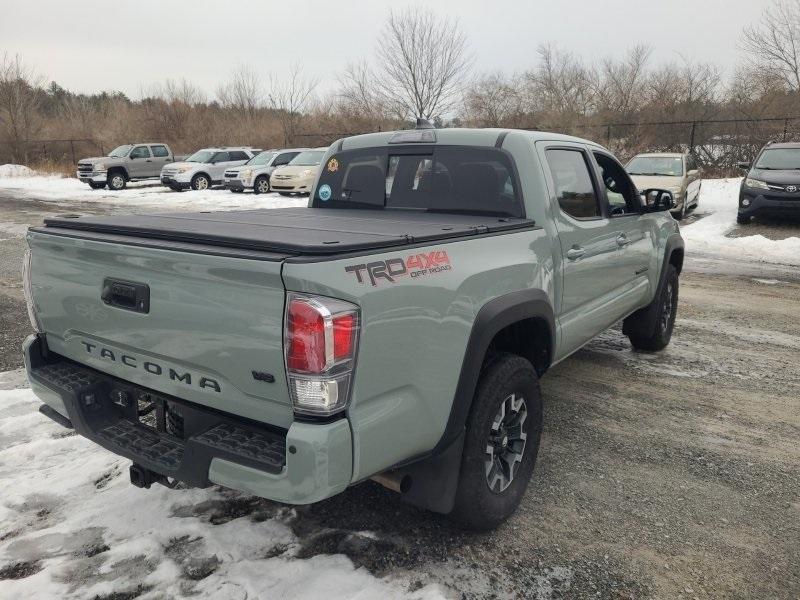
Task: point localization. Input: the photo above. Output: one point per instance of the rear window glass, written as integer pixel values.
(453, 179)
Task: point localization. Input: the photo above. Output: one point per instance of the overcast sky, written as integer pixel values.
(89, 46)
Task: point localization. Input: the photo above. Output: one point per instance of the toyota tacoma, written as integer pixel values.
(394, 329)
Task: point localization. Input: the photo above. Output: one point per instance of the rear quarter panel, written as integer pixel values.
(415, 331)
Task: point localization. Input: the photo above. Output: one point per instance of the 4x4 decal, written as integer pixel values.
(416, 265)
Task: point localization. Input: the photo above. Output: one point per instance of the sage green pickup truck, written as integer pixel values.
(395, 329)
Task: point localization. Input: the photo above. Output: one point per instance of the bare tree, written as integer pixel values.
(619, 84)
(243, 92)
(20, 99)
(773, 45)
(424, 63)
(495, 100)
(289, 98)
(560, 87)
(358, 94)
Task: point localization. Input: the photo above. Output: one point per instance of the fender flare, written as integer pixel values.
(643, 321)
(435, 475)
(120, 168)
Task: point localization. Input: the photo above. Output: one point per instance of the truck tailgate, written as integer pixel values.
(212, 332)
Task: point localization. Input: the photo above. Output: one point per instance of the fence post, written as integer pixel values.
(691, 142)
(608, 135)
(785, 129)
(72, 150)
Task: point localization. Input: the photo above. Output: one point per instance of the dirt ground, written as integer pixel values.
(671, 475)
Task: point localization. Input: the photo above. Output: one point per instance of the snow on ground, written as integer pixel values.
(146, 194)
(719, 200)
(71, 522)
(16, 171)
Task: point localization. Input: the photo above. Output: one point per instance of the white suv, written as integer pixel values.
(205, 167)
(255, 173)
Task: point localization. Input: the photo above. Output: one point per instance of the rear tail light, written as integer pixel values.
(320, 346)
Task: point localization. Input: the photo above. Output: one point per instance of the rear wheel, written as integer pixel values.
(97, 185)
(501, 443)
(200, 182)
(116, 180)
(261, 186)
(666, 311)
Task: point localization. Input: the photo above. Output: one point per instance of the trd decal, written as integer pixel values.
(416, 265)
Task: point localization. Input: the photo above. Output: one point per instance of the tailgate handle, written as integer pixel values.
(126, 295)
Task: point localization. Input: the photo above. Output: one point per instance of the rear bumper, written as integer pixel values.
(304, 464)
(762, 205)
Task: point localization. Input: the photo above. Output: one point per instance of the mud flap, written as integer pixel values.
(434, 480)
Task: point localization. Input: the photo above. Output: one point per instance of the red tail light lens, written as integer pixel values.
(344, 329)
(306, 328)
(320, 340)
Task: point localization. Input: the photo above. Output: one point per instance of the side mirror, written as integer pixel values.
(657, 200)
(744, 166)
(693, 172)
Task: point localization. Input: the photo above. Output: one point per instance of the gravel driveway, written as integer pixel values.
(671, 475)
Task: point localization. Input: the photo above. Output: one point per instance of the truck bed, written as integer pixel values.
(285, 232)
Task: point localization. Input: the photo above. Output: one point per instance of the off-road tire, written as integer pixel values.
(261, 185)
(742, 220)
(197, 182)
(116, 181)
(667, 309)
(477, 506)
(97, 185)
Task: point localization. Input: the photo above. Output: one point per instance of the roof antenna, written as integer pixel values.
(424, 124)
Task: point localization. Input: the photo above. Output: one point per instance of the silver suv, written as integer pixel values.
(255, 173)
(205, 167)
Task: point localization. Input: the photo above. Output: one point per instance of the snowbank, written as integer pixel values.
(70, 518)
(718, 205)
(16, 171)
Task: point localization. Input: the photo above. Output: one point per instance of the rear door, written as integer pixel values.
(588, 238)
(160, 158)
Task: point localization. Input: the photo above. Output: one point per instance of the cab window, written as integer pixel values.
(621, 194)
(573, 183)
(140, 152)
(160, 151)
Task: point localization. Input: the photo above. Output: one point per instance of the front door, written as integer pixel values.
(140, 162)
(589, 246)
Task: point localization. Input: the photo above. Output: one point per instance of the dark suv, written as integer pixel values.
(772, 183)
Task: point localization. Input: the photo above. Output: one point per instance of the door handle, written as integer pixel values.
(622, 240)
(575, 252)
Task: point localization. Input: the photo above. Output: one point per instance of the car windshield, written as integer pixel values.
(261, 159)
(201, 156)
(664, 166)
(779, 159)
(309, 158)
(120, 151)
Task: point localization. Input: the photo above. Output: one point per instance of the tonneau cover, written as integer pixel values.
(294, 231)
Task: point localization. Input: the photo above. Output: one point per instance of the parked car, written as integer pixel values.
(255, 173)
(675, 172)
(772, 184)
(298, 176)
(205, 167)
(129, 162)
(396, 328)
